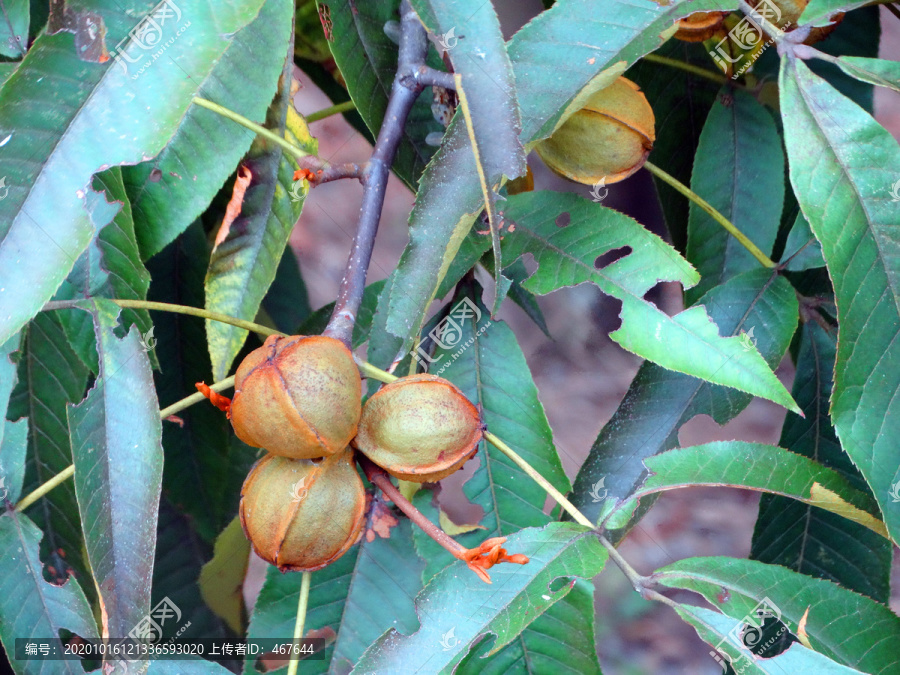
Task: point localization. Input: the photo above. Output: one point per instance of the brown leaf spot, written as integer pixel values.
(563, 219)
(381, 520)
(233, 210)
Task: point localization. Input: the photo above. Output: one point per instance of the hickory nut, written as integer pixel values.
(302, 514)
(700, 26)
(297, 397)
(419, 428)
(608, 139)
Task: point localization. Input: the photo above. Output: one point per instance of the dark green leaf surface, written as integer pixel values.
(456, 607)
(659, 401)
(364, 593)
(687, 342)
(15, 18)
(287, 302)
(203, 463)
(739, 170)
(367, 59)
(118, 472)
(50, 377)
(717, 629)
(843, 165)
(749, 465)
(802, 251)
(681, 101)
(59, 112)
(804, 538)
(485, 361)
(173, 189)
(13, 450)
(560, 641)
(554, 57)
(111, 267)
(849, 628)
(180, 553)
(242, 267)
(32, 607)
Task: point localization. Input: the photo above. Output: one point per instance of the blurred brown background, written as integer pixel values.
(581, 376)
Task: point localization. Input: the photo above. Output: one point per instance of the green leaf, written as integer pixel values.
(243, 265)
(65, 133)
(173, 189)
(8, 371)
(456, 608)
(31, 607)
(205, 464)
(15, 18)
(51, 376)
(739, 170)
(367, 59)
(880, 72)
(681, 101)
(557, 36)
(118, 473)
(802, 251)
(386, 577)
(688, 342)
(560, 641)
(844, 192)
(222, 578)
(180, 553)
(482, 357)
(287, 302)
(659, 401)
(360, 596)
(718, 630)
(13, 450)
(804, 538)
(757, 467)
(844, 626)
(111, 267)
(487, 95)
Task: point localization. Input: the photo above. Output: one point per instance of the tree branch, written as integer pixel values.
(404, 92)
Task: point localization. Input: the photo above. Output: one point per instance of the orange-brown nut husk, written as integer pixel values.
(791, 10)
(297, 397)
(700, 26)
(419, 428)
(607, 140)
(303, 514)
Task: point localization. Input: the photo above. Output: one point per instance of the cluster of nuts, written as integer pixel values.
(303, 505)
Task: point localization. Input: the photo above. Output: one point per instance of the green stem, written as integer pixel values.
(43, 489)
(715, 215)
(336, 109)
(177, 309)
(539, 479)
(688, 67)
(243, 121)
(294, 663)
(69, 471)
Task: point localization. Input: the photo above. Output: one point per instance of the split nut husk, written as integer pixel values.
(419, 428)
(700, 26)
(303, 514)
(607, 140)
(297, 397)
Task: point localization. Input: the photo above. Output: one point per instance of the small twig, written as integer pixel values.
(301, 620)
(638, 581)
(892, 9)
(404, 91)
(69, 471)
(336, 109)
(429, 77)
(177, 309)
(718, 78)
(380, 478)
(243, 121)
(706, 206)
